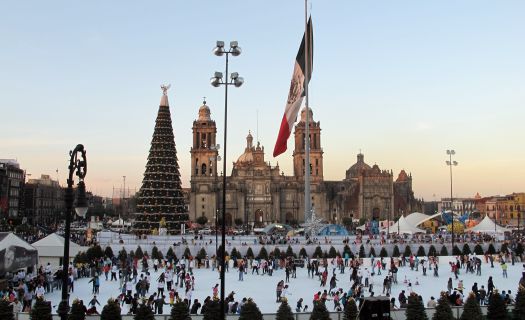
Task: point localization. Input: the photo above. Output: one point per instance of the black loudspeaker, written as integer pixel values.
(377, 308)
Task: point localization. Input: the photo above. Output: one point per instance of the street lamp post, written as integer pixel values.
(450, 164)
(216, 81)
(78, 164)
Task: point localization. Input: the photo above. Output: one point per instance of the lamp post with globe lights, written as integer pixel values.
(216, 81)
(78, 167)
(451, 164)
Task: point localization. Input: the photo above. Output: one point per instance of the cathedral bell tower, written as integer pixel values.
(204, 157)
(316, 152)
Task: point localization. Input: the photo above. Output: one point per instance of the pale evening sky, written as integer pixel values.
(401, 80)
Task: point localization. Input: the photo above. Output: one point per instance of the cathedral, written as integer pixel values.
(259, 194)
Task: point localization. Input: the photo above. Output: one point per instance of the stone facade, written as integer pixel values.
(260, 193)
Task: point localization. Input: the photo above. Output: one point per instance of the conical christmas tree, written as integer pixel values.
(111, 311)
(213, 311)
(319, 312)
(41, 310)
(161, 197)
(497, 308)
(77, 311)
(471, 309)
(284, 312)
(519, 306)
(250, 311)
(144, 313)
(415, 309)
(350, 310)
(443, 310)
(6, 310)
(179, 311)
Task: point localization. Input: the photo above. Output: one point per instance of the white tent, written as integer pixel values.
(403, 226)
(15, 253)
(417, 218)
(51, 249)
(487, 226)
(120, 222)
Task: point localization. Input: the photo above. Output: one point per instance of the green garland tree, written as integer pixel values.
(350, 312)
(263, 254)
(170, 255)
(318, 253)
(383, 253)
(284, 312)
(372, 252)
(466, 249)
(249, 253)
(41, 310)
(111, 311)
(302, 253)
(432, 252)
(6, 310)
(179, 311)
(497, 308)
(332, 253)
(161, 198)
(395, 251)
(212, 310)
(444, 251)
(138, 253)
(408, 251)
(108, 252)
(187, 253)
(443, 310)
(478, 250)
(77, 311)
(144, 312)
(415, 309)
(347, 250)
(421, 252)
(289, 252)
(519, 307)
(456, 251)
(250, 311)
(362, 253)
(319, 312)
(471, 309)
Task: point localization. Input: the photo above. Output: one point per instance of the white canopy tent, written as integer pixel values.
(51, 249)
(417, 218)
(120, 222)
(15, 253)
(403, 226)
(487, 226)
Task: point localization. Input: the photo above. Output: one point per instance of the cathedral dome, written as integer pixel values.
(204, 112)
(359, 166)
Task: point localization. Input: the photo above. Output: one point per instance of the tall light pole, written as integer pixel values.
(78, 164)
(216, 81)
(450, 164)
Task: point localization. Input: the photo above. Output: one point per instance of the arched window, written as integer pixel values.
(203, 170)
(197, 166)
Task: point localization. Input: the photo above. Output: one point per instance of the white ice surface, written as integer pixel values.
(262, 287)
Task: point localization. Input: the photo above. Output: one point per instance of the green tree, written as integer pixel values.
(350, 312)
(250, 311)
(432, 252)
(170, 255)
(362, 253)
(144, 313)
(478, 250)
(111, 311)
(212, 310)
(491, 249)
(456, 251)
(179, 311)
(249, 253)
(372, 252)
(263, 254)
(415, 309)
(187, 253)
(319, 312)
(471, 309)
(41, 310)
(277, 252)
(131, 254)
(138, 253)
(155, 252)
(122, 256)
(234, 254)
(284, 312)
(383, 253)
(108, 252)
(421, 252)
(466, 249)
(408, 251)
(444, 251)
(497, 308)
(94, 252)
(504, 248)
(318, 253)
(395, 251)
(332, 253)
(519, 307)
(6, 310)
(347, 250)
(443, 310)
(289, 252)
(202, 253)
(76, 312)
(302, 253)
(202, 220)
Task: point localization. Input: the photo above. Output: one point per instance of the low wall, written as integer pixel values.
(397, 314)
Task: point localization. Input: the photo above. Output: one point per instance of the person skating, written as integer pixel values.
(279, 290)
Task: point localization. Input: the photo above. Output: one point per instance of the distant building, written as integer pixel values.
(44, 201)
(11, 188)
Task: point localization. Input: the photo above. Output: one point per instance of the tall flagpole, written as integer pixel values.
(307, 200)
